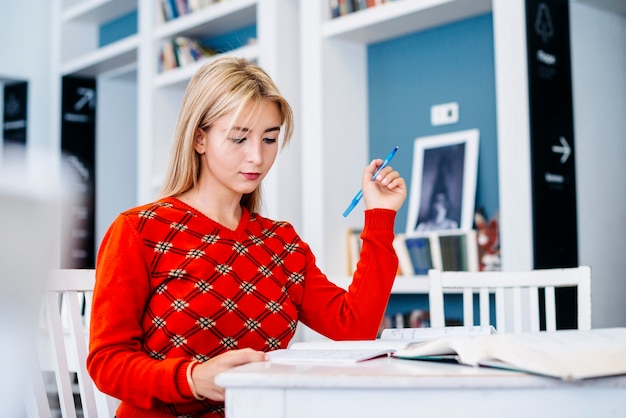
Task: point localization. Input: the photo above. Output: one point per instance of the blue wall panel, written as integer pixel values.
(407, 75)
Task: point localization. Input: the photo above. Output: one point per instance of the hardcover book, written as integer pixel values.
(349, 352)
(563, 354)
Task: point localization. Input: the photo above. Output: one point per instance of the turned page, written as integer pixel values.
(566, 354)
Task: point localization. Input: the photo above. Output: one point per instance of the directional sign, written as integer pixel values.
(15, 113)
(86, 97)
(78, 141)
(555, 235)
(563, 149)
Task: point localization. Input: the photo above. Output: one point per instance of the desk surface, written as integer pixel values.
(395, 387)
(393, 373)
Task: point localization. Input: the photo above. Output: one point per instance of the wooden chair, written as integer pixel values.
(63, 348)
(516, 296)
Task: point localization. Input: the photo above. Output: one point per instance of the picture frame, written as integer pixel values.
(443, 182)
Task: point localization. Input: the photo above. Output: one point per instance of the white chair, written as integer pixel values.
(516, 296)
(63, 348)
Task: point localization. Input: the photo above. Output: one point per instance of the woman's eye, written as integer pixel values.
(238, 140)
(269, 140)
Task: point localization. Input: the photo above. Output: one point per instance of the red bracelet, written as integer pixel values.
(192, 387)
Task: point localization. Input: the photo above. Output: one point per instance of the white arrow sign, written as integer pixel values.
(563, 149)
(87, 97)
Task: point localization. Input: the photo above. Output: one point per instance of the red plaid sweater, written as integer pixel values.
(173, 285)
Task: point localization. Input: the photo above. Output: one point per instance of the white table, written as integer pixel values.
(388, 387)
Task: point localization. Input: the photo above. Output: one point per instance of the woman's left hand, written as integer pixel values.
(386, 191)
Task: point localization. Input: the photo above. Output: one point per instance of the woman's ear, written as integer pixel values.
(199, 141)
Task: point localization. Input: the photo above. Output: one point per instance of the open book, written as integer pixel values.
(347, 352)
(564, 354)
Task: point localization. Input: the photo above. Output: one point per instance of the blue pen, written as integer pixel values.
(359, 195)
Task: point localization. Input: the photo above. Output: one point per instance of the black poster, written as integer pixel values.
(14, 120)
(552, 144)
(78, 134)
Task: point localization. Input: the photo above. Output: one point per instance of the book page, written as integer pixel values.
(564, 354)
(350, 345)
(441, 346)
(324, 356)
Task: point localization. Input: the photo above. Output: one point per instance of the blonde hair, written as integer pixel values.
(219, 87)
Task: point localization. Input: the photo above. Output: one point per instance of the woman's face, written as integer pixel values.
(237, 160)
(440, 203)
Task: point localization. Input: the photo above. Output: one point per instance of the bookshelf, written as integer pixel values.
(334, 73)
(335, 133)
(137, 105)
(320, 64)
(78, 30)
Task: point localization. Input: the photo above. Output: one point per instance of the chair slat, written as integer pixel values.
(436, 310)
(534, 308)
(468, 307)
(500, 312)
(550, 301)
(67, 310)
(517, 309)
(62, 371)
(484, 305)
(584, 298)
(78, 333)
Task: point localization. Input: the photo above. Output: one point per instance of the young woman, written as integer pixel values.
(199, 282)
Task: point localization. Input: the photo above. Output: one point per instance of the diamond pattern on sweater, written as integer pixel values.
(215, 289)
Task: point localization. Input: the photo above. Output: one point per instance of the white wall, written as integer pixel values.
(598, 41)
(25, 53)
(116, 149)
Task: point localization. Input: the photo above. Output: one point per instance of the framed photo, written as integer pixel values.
(443, 182)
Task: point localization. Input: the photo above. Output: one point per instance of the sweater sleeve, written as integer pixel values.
(357, 312)
(116, 361)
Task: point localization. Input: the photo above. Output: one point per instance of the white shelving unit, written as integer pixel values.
(334, 96)
(320, 65)
(79, 34)
(335, 129)
(137, 107)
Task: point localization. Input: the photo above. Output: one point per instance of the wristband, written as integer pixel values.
(192, 387)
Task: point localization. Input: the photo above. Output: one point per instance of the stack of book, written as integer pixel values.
(453, 250)
(181, 51)
(444, 250)
(344, 7)
(172, 9)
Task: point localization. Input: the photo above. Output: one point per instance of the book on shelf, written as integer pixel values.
(169, 10)
(420, 253)
(353, 250)
(414, 318)
(343, 7)
(172, 9)
(349, 352)
(455, 250)
(181, 51)
(459, 252)
(182, 7)
(563, 354)
(405, 265)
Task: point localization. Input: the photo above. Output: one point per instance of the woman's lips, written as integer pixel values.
(251, 176)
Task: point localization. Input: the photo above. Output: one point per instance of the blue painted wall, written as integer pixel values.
(126, 25)
(407, 75)
(118, 28)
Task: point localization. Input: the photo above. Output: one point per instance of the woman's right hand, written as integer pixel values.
(203, 375)
(386, 191)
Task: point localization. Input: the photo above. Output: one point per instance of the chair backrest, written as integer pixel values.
(517, 296)
(62, 347)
